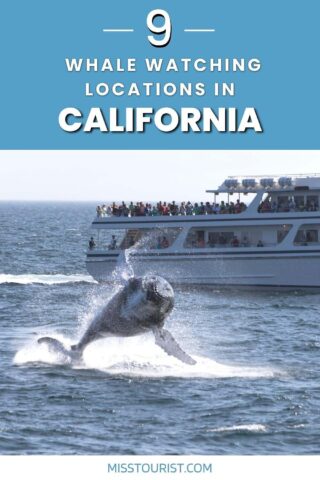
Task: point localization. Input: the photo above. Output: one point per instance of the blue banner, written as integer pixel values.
(160, 75)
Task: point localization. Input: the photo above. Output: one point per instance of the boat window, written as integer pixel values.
(282, 232)
(150, 238)
(283, 203)
(133, 237)
(274, 202)
(267, 205)
(299, 202)
(115, 239)
(203, 238)
(312, 203)
(307, 235)
(108, 239)
(246, 236)
(165, 237)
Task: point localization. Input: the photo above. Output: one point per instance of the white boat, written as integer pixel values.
(273, 240)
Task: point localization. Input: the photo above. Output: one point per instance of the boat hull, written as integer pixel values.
(292, 270)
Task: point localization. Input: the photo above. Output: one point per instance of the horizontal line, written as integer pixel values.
(112, 30)
(236, 286)
(211, 255)
(214, 219)
(199, 30)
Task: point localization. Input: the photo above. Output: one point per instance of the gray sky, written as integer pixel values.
(138, 175)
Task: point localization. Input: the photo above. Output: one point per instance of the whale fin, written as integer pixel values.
(56, 346)
(165, 340)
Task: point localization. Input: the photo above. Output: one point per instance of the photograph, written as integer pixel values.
(159, 302)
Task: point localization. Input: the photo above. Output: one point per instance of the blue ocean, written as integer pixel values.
(254, 390)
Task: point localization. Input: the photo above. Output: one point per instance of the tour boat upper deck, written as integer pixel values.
(261, 230)
(282, 194)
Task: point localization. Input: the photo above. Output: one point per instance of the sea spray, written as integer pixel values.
(54, 279)
(140, 357)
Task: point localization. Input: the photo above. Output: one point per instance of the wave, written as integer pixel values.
(254, 427)
(138, 357)
(55, 279)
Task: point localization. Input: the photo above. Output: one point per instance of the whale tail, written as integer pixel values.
(56, 346)
(165, 340)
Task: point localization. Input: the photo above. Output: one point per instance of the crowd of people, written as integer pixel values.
(287, 205)
(141, 209)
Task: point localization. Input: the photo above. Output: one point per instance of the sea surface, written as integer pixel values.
(255, 388)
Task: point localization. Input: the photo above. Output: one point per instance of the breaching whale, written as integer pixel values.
(141, 305)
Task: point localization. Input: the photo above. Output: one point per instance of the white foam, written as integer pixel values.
(29, 278)
(139, 357)
(299, 425)
(254, 427)
(39, 353)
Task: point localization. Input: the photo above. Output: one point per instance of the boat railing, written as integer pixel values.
(229, 209)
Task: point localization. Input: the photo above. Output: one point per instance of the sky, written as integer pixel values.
(139, 175)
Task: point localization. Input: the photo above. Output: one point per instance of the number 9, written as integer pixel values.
(165, 28)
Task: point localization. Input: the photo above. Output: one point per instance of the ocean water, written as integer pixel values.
(254, 390)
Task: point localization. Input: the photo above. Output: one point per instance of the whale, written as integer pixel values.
(141, 305)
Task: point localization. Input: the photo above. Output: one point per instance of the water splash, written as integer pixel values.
(55, 279)
(34, 352)
(124, 269)
(127, 259)
(138, 357)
